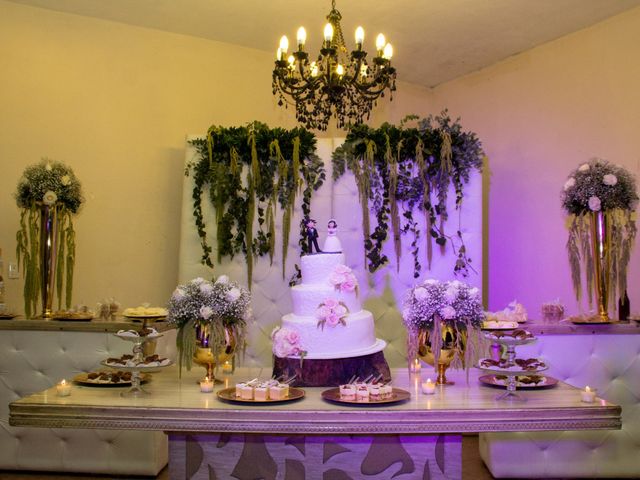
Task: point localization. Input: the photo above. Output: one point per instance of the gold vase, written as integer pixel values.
(601, 250)
(453, 344)
(208, 355)
(48, 256)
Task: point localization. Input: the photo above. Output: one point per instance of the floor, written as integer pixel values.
(472, 468)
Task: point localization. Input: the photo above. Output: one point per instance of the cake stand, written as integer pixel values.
(510, 343)
(138, 357)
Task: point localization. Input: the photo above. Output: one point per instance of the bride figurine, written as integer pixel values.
(332, 242)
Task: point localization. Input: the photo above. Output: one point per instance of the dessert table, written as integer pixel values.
(208, 436)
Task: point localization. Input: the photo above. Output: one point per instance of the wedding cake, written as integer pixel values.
(327, 321)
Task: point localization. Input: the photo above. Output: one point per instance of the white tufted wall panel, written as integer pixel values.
(610, 363)
(32, 361)
(382, 292)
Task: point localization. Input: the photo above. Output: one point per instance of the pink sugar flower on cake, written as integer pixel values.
(343, 279)
(286, 343)
(332, 313)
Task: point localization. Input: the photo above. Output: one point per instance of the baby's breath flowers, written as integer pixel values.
(222, 308)
(599, 185)
(49, 182)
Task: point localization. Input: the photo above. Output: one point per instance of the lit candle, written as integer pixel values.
(227, 367)
(428, 387)
(206, 385)
(415, 366)
(63, 389)
(588, 395)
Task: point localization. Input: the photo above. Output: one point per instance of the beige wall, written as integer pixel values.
(540, 114)
(115, 103)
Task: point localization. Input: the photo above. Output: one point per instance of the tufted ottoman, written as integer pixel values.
(31, 360)
(604, 357)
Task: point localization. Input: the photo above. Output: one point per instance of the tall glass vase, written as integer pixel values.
(601, 250)
(48, 254)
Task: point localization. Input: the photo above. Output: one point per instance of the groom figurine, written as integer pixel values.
(312, 235)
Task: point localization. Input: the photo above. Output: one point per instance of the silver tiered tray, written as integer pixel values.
(510, 356)
(138, 356)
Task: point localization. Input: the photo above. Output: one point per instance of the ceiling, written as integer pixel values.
(434, 40)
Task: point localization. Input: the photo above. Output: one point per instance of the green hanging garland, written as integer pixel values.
(399, 170)
(248, 172)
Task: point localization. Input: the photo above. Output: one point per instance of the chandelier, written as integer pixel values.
(345, 86)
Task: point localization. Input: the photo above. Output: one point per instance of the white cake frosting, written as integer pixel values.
(353, 336)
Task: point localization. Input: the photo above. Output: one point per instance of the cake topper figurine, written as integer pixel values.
(312, 235)
(332, 242)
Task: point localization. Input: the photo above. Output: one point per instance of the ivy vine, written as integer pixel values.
(401, 170)
(248, 172)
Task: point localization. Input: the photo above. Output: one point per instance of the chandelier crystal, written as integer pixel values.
(345, 86)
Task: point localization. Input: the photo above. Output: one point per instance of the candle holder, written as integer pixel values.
(588, 395)
(63, 389)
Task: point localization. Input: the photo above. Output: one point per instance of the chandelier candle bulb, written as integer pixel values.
(428, 387)
(284, 44)
(63, 389)
(359, 37)
(302, 37)
(328, 33)
(206, 385)
(380, 43)
(387, 53)
(588, 395)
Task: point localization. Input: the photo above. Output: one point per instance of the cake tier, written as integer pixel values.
(307, 298)
(355, 338)
(317, 268)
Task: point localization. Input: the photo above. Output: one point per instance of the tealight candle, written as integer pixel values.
(227, 367)
(428, 387)
(415, 366)
(588, 395)
(63, 389)
(206, 385)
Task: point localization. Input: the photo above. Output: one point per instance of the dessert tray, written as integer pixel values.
(72, 316)
(510, 337)
(128, 364)
(145, 312)
(495, 325)
(522, 381)
(397, 395)
(519, 366)
(138, 336)
(229, 395)
(108, 379)
(593, 320)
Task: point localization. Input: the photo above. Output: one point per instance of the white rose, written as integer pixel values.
(50, 198)
(594, 204)
(569, 183)
(451, 294)
(610, 179)
(65, 180)
(197, 281)
(233, 294)
(222, 280)
(178, 294)
(420, 293)
(430, 281)
(206, 312)
(584, 167)
(448, 312)
(206, 288)
(474, 292)
(48, 167)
